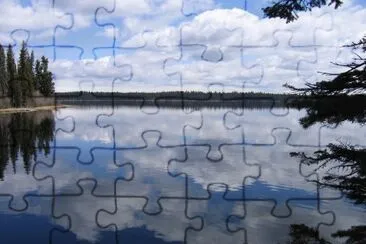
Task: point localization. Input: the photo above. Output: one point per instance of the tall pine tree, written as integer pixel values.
(14, 90)
(25, 73)
(31, 70)
(37, 75)
(46, 85)
(3, 73)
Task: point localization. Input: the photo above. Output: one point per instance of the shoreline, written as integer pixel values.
(31, 109)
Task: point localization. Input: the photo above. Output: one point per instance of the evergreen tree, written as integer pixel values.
(332, 100)
(22, 62)
(46, 85)
(31, 60)
(30, 70)
(349, 82)
(14, 88)
(22, 72)
(3, 73)
(37, 75)
(25, 73)
(20, 82)
(286, 9)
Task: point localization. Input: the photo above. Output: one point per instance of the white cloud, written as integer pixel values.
(273, 52)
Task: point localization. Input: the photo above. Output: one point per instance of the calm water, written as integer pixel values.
(130, 175)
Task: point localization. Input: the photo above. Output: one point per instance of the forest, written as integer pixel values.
(26, 79)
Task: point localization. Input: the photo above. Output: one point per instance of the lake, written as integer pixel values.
(129, 174)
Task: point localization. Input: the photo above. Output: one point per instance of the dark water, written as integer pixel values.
(130, 175)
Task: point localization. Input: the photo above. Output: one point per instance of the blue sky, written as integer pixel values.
(137, 44)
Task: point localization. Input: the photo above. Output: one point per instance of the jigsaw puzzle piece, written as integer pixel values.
(92, 84)
(348, 215)
(85, 135)
(151, 179)
(214, 121)
(127, 33)
(39, 213)
(332, 169)
(210, 65)
(130, 123)
(313, 68)
(64, 171)
(207, 53)
(319, 34)
(275, 60)
(347, 133)
(208, 61)
(201, 172)
(170, 225)
(64, 122)
(258, 126)
(215, 212)
(258, 218)
(81, 209)
(132, 69)
(43, 40)
(82, 28)
(281, 176)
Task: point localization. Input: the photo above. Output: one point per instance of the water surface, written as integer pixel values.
(131, 175)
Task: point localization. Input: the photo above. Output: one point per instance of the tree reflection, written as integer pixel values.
(21, 134)
(302, 234)
(344, 164)
(332, 110)
(356, 234)
(346, 169)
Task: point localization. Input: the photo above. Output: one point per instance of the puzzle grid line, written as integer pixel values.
(187, 141)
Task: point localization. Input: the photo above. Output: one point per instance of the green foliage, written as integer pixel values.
(3, 73)
(44, 78)
(333, 102)
(31, 70)
(287, 9)
(37, 74)
(350, 82)
(347, 172)
(10, 62)
(20, 81)
(25, 73)
(14, 86)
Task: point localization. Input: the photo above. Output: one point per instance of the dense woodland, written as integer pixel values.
(27, 79)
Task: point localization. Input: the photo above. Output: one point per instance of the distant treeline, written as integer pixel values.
(193, 95)
(20, 82)
(176, 99)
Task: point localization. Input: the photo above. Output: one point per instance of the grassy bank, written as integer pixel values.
(30, 109)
